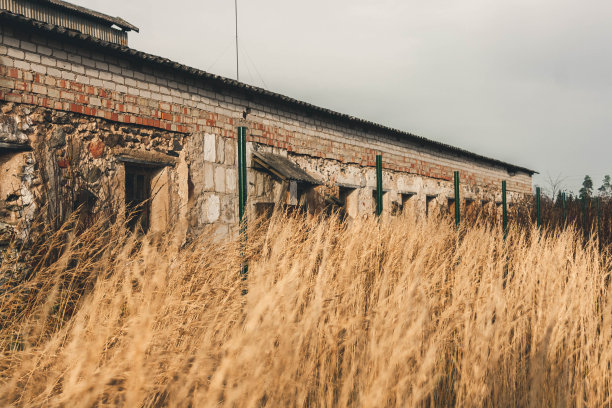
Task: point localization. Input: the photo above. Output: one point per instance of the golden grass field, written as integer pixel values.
(372, 313)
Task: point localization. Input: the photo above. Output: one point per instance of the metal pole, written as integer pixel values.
(241, 174)
(242, 198)
(457, 198)
(538, 208)
(504, 210)
(379, 185)
(236, 10)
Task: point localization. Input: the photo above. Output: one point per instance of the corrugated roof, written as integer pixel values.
(118, 21)
(283, 168)
(256, 91)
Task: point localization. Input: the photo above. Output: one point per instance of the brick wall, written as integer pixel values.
(59, 74)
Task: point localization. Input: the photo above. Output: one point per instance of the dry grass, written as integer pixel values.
(400, 312)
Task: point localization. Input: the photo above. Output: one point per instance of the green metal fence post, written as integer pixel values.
(242, 198)
(504, 210)
(379, 185)
(241, 174)
(457, 198)
(538, 208)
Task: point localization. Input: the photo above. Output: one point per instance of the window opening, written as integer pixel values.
(138, 197)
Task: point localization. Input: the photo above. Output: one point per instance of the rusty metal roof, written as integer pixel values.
(252, 91)
(283, 168)
(118, 21)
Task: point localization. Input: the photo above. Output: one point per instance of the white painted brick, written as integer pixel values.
(54, 72)
(64, 65)
(68, 75)
(28, 46)
(82, 79)
(60, 54)
(11, 42)
(32, 57)
(50, 62)
(114, 69)
(109, 85)
(106, 76)
(21, 64)
(103, 66)
(74, 58)
(118, 79)
(12, 52)
(92, 73)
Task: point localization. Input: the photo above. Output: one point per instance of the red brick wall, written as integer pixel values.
(63, 75)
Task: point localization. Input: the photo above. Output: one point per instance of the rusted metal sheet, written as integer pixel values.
(74, 18)
(283, 168)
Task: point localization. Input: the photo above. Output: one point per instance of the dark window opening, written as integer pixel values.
(264, 210)
(343, 195)
(138, 197)
(347, 203)
(405, 198)
(85, 204)
(384, 198)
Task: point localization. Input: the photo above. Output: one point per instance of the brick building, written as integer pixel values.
(87, 121)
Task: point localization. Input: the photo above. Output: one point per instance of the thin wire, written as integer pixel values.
(248, 70)
(254, 66)
(227, 47)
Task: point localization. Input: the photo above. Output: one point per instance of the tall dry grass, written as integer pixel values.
(396, 312)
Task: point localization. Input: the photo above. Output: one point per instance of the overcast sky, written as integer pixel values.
(524, 81)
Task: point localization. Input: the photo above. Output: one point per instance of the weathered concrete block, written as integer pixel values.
(209, 147)
(220, 179)
(231, 180)
(211, 208)
(220, 150)
(230, 152)
(209, 177)
(227, 209)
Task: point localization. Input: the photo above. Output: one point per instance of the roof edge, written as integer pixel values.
(118, 21)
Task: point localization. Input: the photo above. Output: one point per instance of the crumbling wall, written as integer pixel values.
(213, 182)
(78, 161)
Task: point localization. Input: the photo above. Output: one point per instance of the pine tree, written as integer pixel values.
(606, 187)
(559, 199)
(587, 187)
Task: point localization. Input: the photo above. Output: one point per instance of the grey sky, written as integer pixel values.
(525, 81)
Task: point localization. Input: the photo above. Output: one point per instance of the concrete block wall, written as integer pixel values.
(69, 75)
